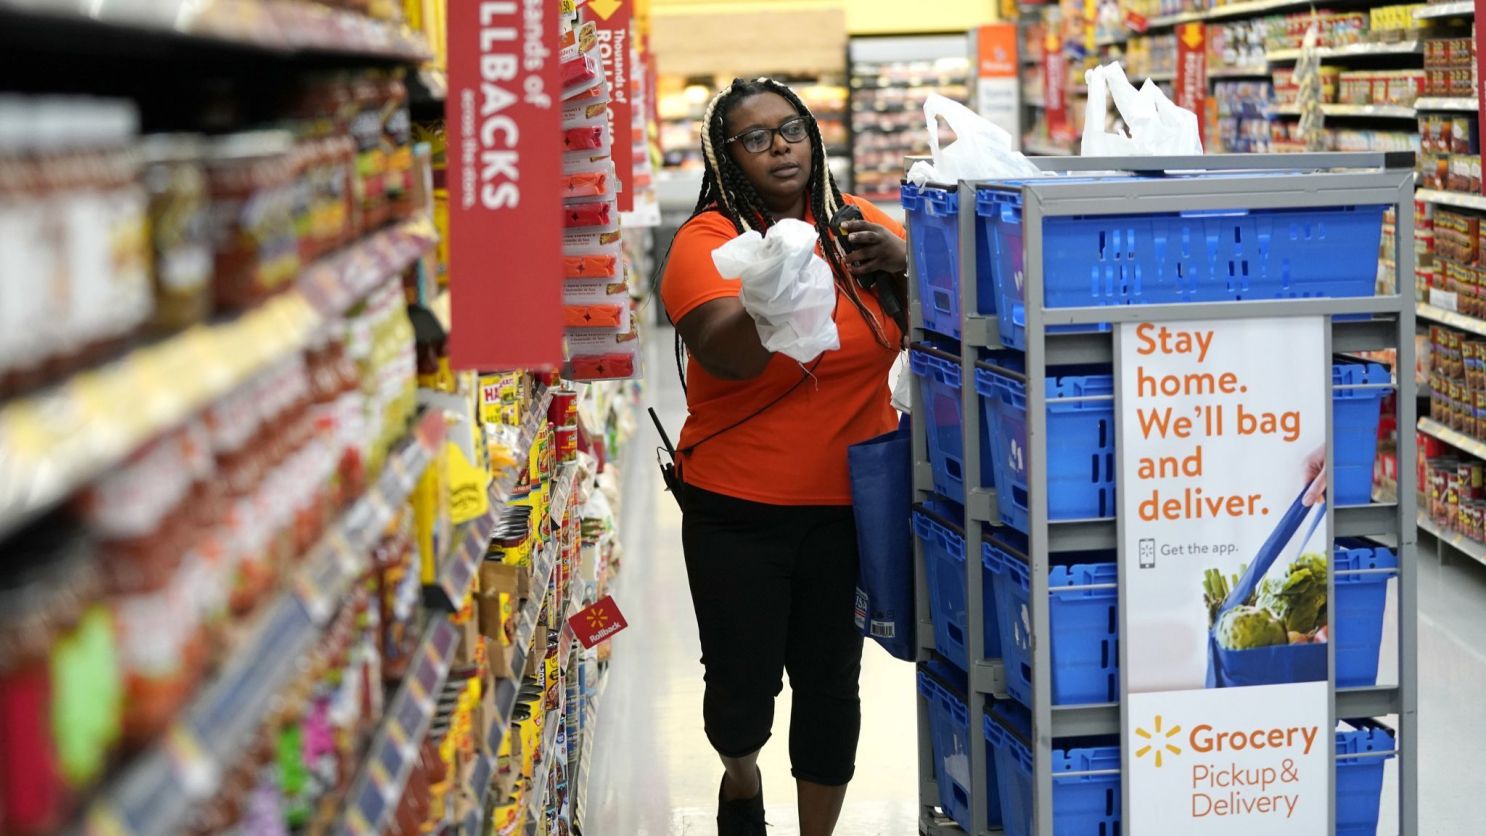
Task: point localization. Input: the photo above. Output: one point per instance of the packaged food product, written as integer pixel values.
(251, 179)
(180, 229)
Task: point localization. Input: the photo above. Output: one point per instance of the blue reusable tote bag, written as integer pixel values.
(882, 498)
(1281, 664)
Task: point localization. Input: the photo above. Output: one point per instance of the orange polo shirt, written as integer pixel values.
(793, 453)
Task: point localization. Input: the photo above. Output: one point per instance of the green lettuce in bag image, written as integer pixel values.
(1245, 627)
(1299, 597)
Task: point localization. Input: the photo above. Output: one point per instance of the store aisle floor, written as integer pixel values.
(655, 775)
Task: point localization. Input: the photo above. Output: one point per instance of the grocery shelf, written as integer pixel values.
(457, 569)
(1256, 71)
(62, 438)
(1466, 546)
(1166, 21)
(1464, 8)
(1361, 111)
(1349, 51)
(536, 793)
(1464, 103)
(1461, 199)
(1245, 9)
(265, 25)
(155, 793)
(389, 760)
(1454, 438)
(544, 560)
(1451, 318)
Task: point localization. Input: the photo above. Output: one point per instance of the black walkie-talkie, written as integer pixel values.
(877, 278)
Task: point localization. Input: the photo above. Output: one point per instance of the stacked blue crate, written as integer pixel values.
(1156, 258)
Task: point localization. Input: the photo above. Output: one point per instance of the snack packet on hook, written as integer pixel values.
(981, 150)
(603, 355)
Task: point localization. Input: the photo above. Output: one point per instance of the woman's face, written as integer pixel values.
(781, 172)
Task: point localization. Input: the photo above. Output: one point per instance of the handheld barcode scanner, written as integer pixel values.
(877, 278)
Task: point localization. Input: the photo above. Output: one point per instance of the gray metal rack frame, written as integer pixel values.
(1257, 182)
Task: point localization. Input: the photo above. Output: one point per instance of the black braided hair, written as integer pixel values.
(726, 188)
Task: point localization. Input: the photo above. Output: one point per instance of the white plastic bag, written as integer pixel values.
(899, 381)
(786, 288)
(981, 150)
(1157, 126)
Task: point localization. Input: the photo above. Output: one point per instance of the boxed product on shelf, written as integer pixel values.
(1450, 62)
(1390, 87)
(1335, 29)
(1236, 44)
(1242, 124)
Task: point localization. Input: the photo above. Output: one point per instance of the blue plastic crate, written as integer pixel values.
(934, 230)
(1357, 616)
(1089, 805)
(943, 415)
(1081, 444)
(1357, 392)
(1081, 437)
(1084, 621)
(1164, 258)
(1359, 780)
(1083, 805)
(944, 569)
(949, 734)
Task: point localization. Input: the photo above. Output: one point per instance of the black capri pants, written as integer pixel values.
(774, 589)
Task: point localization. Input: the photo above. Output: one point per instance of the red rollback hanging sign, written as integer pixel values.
(598, 622)
(1191, 69)
(1055, 87)
(505, 165)
(613, 29)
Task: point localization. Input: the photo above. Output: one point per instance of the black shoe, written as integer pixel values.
(740, 818)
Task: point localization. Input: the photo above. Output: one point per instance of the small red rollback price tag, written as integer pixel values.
(598, 622)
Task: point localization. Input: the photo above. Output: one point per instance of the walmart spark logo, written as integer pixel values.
(1160, 741)
(597, 618)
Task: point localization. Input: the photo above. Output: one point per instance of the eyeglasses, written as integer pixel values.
(758, 140)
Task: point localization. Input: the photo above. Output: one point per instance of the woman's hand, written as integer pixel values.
(875, 247)
(1314, 470)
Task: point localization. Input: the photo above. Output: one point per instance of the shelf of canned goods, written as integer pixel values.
(1020, 675)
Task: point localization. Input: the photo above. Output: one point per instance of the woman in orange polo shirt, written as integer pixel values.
(767, 528)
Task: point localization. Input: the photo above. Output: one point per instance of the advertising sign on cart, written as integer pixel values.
(1224, 556)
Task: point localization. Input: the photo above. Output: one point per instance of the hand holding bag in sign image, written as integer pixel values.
(1269, 626)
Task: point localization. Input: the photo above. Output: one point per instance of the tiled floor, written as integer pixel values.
(655, 775)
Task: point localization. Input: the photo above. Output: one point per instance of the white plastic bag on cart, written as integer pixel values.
(981, 150)
(1157, 126)
(785, 287)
